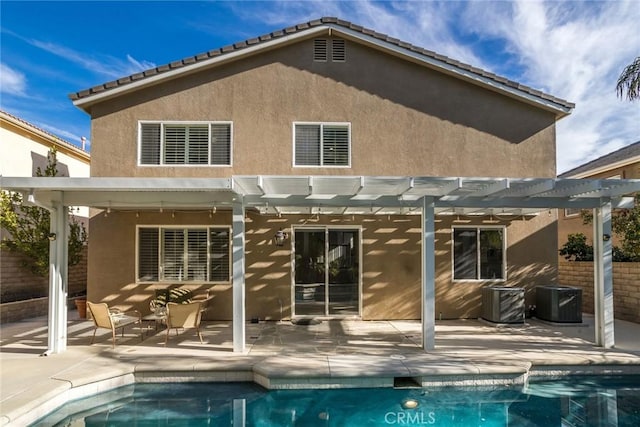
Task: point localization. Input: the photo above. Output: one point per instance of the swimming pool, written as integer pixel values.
(577, 401)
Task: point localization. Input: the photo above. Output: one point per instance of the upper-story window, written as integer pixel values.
(181, 143)
(322, 144)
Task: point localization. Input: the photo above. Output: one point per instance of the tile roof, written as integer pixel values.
(620, 155)
(325, 21)
(33, 128)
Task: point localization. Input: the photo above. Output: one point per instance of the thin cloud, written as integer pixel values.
(574, 50)
(62, 133)
(12, 82)
(105, 65)
(425, 24)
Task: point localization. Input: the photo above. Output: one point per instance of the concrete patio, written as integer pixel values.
(330, 354)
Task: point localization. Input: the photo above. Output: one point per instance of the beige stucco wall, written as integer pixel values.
(390, 273)
(405, 120)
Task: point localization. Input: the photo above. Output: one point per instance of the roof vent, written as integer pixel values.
(338, 51)
(320, 50)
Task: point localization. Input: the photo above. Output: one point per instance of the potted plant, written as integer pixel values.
(81, 306)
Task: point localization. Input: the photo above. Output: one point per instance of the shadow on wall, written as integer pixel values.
(40, 161)
(531, 261)
(267, 268)
(373, 73)
(391, 271)
(538, 259)
(137, 296)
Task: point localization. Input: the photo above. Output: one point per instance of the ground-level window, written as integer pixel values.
(478, 253)
(183, 254)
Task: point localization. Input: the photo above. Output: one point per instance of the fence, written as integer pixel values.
(626, 286)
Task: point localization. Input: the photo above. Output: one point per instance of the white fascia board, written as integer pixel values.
(115, 184)
(606, 168)
(455, 71)
(199, 65)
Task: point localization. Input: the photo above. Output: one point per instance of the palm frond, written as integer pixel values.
(629, 81)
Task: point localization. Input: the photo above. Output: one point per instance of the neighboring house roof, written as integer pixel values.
(44, 137)
(622, 157)
(324, 26)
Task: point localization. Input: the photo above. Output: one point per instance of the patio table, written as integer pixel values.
(157, 318)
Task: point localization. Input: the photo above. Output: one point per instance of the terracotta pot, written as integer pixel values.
(81, 305)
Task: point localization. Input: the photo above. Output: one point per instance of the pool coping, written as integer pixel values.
(73, 384)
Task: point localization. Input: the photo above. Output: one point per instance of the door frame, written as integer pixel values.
(326, 228)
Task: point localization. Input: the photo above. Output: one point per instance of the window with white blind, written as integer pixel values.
(183, 254)
(322, 144)
(478, 253)
(169, 143)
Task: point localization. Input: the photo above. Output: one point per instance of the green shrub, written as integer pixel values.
(577, 249)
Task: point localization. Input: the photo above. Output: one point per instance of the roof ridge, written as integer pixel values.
(326, 20)
(39, 129)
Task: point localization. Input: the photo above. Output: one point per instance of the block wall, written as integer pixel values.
(626, 286)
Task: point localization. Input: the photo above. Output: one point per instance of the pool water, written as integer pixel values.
(582, 401)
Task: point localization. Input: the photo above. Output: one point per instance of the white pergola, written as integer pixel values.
(334, 195)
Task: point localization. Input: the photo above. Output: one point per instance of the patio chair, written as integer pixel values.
(106, 318)
(184, 316)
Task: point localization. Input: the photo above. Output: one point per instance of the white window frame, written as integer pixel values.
(163, 123)
(160, 227)
(478, 228)
(321, 124)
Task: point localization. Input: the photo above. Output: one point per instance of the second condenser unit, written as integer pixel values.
(559, 304)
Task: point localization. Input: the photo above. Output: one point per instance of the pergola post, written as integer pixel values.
(428, 274)
(58, 261)
(603, 276)
(238, 276)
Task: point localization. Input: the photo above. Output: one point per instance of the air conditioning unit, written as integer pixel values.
(561, 304)
(502, 304)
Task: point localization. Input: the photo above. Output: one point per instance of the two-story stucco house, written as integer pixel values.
(323, 170)
(323, 99)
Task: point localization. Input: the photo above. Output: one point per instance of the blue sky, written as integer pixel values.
(571, 49)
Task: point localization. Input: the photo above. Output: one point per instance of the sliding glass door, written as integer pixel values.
(310, 272)
(327, 274)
